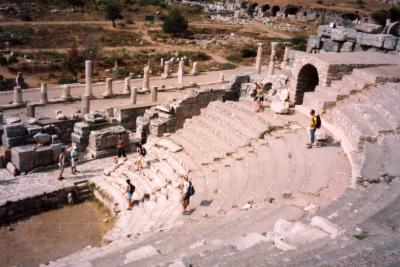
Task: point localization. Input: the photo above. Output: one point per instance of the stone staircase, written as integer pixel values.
(248, 168)
(83, 190)
(324, 97)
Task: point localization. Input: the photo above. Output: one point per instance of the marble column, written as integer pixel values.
(154, 94)
(146, 79)
(286, 55)
(259, 58)
(195, 68)
(109, 89)
(88, 78)
(85, 104)
(30, 110)
(66, 92)
(17, 96)
(127, 86)
(222, 77)
(133, 95)
(271, 66)
(43, 94)
(180, 74)
(167, 67)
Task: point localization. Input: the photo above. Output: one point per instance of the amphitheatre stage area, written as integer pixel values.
(199, 133)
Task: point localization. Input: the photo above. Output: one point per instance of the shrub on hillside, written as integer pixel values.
(299, 42)
(175, 22)
(248, 52)
(112, 11)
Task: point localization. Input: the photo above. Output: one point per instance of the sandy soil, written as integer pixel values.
(53, 234)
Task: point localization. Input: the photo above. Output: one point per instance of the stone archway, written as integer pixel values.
(307, 80)
(275, 10)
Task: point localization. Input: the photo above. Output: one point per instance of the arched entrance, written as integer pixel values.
(306, 82)
(274, 10)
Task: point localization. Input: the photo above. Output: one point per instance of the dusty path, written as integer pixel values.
(52, 234)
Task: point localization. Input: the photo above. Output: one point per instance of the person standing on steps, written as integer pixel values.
(61, 162)
(141, 151)
(130, 189)
(74, 159)
(121, 148)
(259, 98)
(187, 190)
(315, 123)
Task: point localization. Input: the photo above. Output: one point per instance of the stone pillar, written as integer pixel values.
(271, 66)
(133, 95)
(17, 96)
(162, 62)
(286, 55)
(195, 68)
(88, 78)
(43, 94)
(109, 90)
(222, 77)
(131, 75)
(259, 58)
(30, 111)
(115, 65)
(66, 92)
(166, 70)
(180, 74)
(85, 104)
(146, 78)
(127, 86)
(154, 94)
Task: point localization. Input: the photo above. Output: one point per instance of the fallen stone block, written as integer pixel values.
(369, 28)
(338, 34)
(12, 120)
(282, 227)
(23, 157)
(249, 240)
(314, 41)
(325, 225)
(331, 46)
(13, 141)
(282, 245)
(33, 129)
(42, 138)
(140, 254)
(280, 107)
(390, 42)
(347, 47)
(375, 40)
(43, 156)
(305, 236)
(14, 130)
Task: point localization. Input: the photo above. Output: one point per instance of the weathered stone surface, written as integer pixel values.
(42, 138)
(368, 28)
(14, 130)
(12, 169)
(331, 46)
(43, 156)
(347, 47)
(23, 157)
(33, 129)
(324, 31)
(107, 138)
(284, 95)
(13, 141)
(140, 253)
(375, 40)
(249, 240)
(390, 42)
(325, 225)
(280, 107)
(339, 34)
(314, 42)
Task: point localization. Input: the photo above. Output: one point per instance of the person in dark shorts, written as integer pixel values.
(121, 148)
(130, 189)
(259, 98)
(185, 188)
(61, 162)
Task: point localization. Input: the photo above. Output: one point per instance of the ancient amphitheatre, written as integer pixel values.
(262, 198)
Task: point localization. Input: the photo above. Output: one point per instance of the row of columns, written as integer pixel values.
(271, 66)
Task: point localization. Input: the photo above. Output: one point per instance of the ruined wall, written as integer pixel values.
(364, 37)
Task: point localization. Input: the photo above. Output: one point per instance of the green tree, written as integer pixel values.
(112, 11)
(175, 22)
(73, 62)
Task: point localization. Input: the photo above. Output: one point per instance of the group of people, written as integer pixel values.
(69, 153)
(186, 187)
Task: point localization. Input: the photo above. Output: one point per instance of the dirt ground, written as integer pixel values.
(53, 234)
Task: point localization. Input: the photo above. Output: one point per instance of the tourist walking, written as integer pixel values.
(61, 162)
(121, 148)
(74, 159)
(187, 190)
(130, 189)
(315, 123)
(259, 98)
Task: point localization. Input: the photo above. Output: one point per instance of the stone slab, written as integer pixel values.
(23, 157)
(14, 141)
(43, 156)
(14, 130)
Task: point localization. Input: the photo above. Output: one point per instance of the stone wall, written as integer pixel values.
(167, 118)
(14, 210)
(364, 37)
(127, 115)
